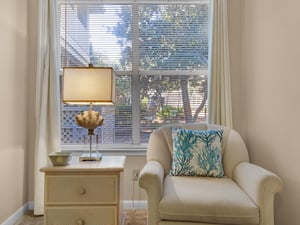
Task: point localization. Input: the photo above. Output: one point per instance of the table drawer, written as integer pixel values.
(78, 215)
(81, 189)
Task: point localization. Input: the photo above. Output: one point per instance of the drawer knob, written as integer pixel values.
(82, 191)
(80, 222)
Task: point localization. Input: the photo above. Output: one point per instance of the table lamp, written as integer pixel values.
(89, 85)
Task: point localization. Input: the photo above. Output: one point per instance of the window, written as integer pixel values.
(159, 52)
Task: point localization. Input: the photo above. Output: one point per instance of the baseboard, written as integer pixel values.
(136, 204)
(18, 214)
(30, 205)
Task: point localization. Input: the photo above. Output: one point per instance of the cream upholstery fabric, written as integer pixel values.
(244, 197)
(208, 199)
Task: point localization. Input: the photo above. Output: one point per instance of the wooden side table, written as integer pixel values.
(83, 193)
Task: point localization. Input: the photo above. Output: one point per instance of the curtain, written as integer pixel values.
(47, 99)
(219, 91)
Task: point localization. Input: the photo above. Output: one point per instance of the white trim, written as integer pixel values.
(127, 204)
(117, 149)
(135, 82)
(105, 147)
(128, 152)
(18, 214)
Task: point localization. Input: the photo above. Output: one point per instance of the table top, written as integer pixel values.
(106, 164)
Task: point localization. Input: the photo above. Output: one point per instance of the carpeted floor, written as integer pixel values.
(30, 219)
(131, 217)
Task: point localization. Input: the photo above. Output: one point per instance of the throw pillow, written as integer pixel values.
(197, 153)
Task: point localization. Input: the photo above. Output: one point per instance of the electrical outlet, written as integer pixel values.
(135, 174)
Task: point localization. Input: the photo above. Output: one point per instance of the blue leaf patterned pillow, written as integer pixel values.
(197, 153)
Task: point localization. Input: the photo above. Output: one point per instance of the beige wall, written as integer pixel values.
(13, 100)
(132, 163)
(234, 26)
(32, 27)
(269, 93)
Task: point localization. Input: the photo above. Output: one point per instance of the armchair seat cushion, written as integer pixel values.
(208, 200)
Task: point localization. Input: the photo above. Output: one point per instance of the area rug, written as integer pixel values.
(130, 217)
(135, 217)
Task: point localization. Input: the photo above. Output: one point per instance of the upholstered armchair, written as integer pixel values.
(244, 195)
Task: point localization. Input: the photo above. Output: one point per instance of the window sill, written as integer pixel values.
(127, 150)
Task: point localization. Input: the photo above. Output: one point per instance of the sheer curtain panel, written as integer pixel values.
(47, 99)
(219, 92)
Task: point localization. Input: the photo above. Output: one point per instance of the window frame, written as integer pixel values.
(136, 148)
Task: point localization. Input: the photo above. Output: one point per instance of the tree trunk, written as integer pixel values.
(201, 106)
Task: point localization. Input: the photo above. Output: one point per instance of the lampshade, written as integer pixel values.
(83, 85)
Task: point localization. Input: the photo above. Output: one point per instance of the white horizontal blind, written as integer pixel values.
(159, 52)
(173, 37)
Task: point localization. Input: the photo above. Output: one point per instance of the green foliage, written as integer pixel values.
(123, 90)
(162, 47)
(169, 112)
(123, 114)
(163, 31)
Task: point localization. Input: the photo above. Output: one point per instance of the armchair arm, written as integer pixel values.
(151, 179)
(261, 185)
